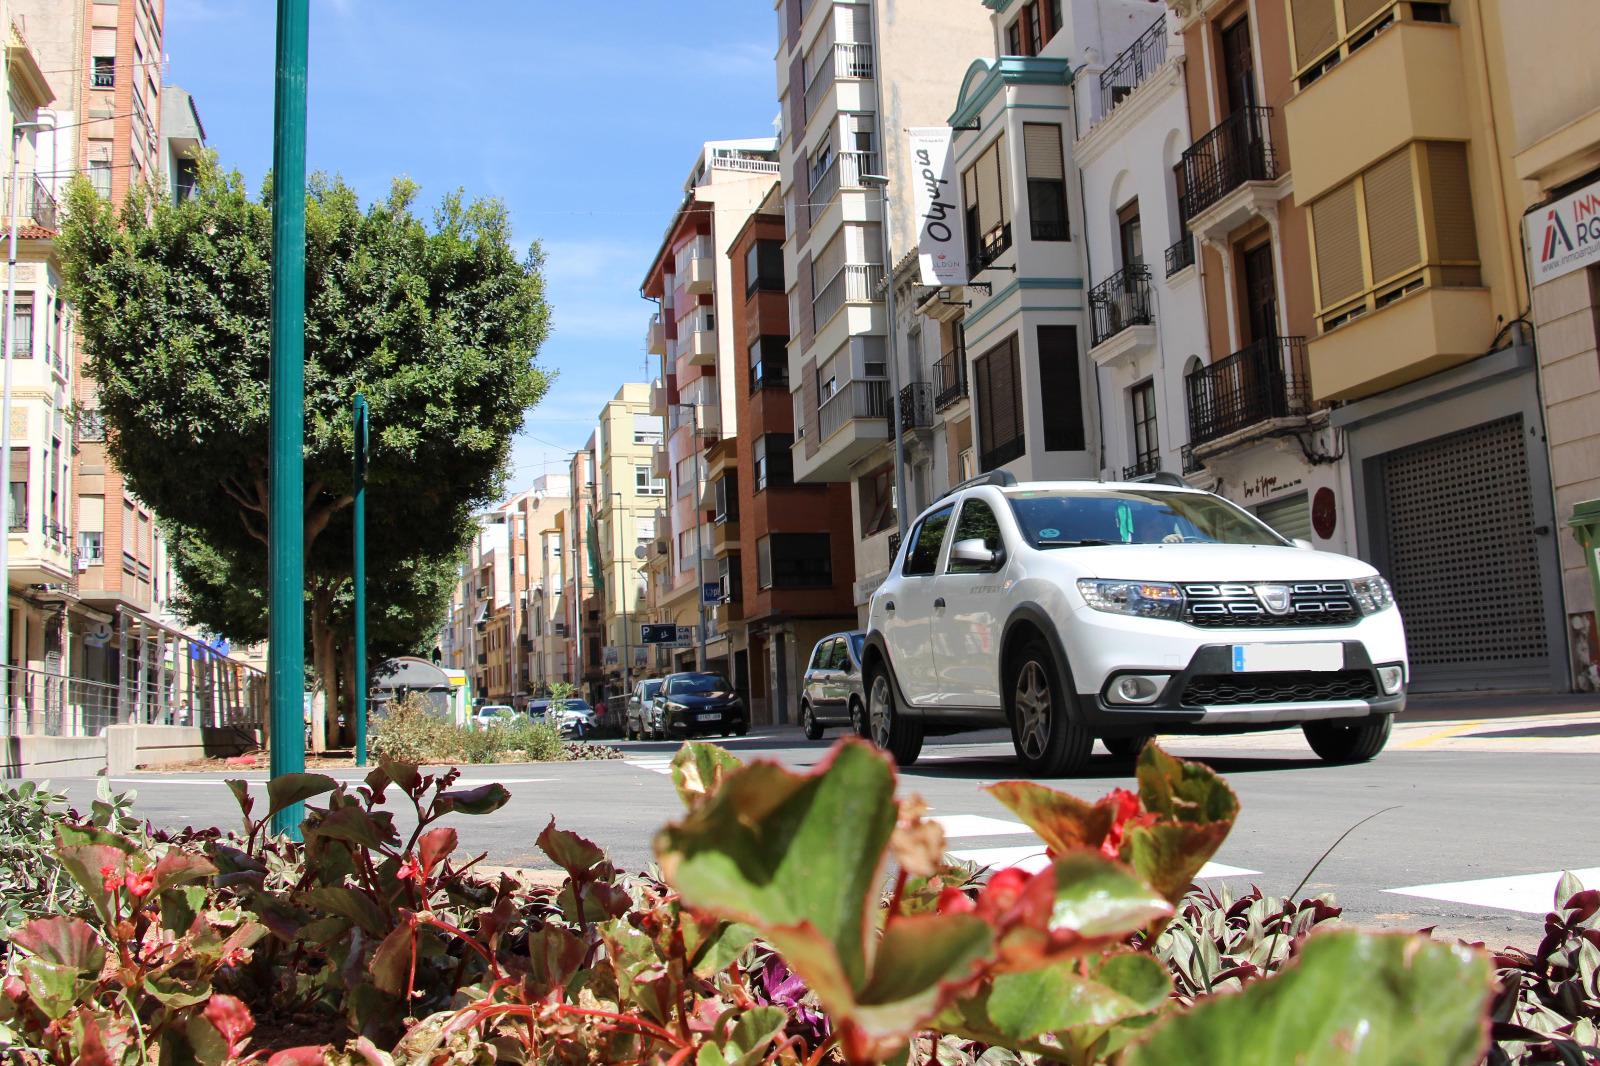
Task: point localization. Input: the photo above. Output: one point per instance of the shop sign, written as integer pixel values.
(1564, 235)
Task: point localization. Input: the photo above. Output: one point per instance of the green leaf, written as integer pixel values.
(391, 963)
(350, 904)
(485, 799)
(64, 941)
(753, 1032)
(84, 863)
(175, 994)
(1096, 898)
(1196, 811)
(717, 950)
(776, 849)
(180, 906)
(353, 824)
(285, 790)
(580, 858)
(1063, 821)
(916, 958)
(1351, 999)
(179, 868)
(698, 769)
(51, 986)
(241, 795)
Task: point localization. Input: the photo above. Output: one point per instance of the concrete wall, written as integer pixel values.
(120, 749)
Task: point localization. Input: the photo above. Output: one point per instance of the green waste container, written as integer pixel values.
(1585, 523)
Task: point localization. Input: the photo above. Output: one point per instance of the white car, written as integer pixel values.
(491, 715)
(1070, 611)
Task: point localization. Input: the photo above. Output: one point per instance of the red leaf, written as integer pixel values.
(434, 845)
(580, 858)
(231, 1018)
(298, 1056)
(67, 941)
(91, 1049)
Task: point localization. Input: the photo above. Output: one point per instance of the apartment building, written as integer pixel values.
(841, 137)
(692, 332)
(628, 495)
(183, 139)
(581, 574)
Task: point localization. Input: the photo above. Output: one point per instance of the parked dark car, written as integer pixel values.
(644, 712)
(699, 703)
(831, 693)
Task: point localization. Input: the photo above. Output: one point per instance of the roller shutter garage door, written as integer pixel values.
(1463, 557)
(1290, 516)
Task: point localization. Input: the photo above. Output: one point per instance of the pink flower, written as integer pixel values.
(410, 871)
(139, 885)
(1126, 813)
(954, 901)
(108, 876)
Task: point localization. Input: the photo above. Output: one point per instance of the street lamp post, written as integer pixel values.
(880, 182)
(17, 130)
(286, 652)
(359, 576)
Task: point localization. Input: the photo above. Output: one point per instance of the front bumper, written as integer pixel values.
(698, 720)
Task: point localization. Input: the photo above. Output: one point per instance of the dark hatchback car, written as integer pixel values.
(831, 694)
(702, 703)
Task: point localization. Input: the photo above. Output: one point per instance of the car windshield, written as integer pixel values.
(650, 689)
(697, 685)
(1058, 519)
(572, 705)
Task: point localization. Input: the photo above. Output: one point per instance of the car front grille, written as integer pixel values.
(1241, 605)
(1229, 690)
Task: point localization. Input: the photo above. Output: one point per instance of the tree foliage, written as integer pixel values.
(438, 323)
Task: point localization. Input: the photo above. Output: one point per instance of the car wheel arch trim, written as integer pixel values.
(1039, 620)
(876, 651)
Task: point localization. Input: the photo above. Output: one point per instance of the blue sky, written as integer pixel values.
(583, 117)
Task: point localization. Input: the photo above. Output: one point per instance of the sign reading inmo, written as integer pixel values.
(941, 237)
(1564, 235)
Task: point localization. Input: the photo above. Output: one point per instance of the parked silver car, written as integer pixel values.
(832, 694)
(645, 708)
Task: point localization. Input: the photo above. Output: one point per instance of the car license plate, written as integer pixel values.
(708, 717)
(1274, 658)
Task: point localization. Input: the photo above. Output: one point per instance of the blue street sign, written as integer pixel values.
(711, 593)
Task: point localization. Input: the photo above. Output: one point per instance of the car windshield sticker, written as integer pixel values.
(1125, 522)
(1049, 534)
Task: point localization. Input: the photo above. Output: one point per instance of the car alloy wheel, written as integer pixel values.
(808, 723)
(881, 720)
(893, 732)
(1033, 711)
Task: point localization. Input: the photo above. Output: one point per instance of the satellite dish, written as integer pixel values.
(639, 552)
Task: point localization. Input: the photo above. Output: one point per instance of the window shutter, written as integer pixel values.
(808, 406)
(1338, 236)
(1452, 201)
(103, 43)
(801, 324)
(829, 261)
(1314, 29)
(1358, 11)
(1008, 406)
(861, 24)
(19, 466)
(989, 191)
(1392, 217)
(1042, 144)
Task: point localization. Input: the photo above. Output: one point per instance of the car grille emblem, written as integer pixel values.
(1275, 598)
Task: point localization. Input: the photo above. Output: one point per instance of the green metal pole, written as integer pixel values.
(359, 575)
(286, 654)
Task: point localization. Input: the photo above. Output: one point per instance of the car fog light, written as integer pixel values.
(1391, 678)
(1136, 689)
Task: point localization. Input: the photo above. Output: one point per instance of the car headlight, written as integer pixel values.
(677, 707)
(1142, 599)
(1373, 594)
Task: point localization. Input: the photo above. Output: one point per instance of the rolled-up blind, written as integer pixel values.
(1334, 224)
(1452, 201)
(1392, 232)
(103, 43)
(1042, 146)
(1315, 30)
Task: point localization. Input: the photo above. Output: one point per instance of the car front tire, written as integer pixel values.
(1049, 739)
(1339, 742)
(1126, 747)
(895, 733)
(808, 723)
(858, 720)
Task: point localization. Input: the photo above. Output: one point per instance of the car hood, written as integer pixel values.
(1208, 562)
(711, 699)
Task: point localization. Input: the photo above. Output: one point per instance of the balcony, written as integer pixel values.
(987, 247)
(1150, 464)
(42, 205)
(724, 537)
(702, 348)
(701, 276)
(850, 424)
(1180, 255)
(850, 61)
(707, 422)
(1263, 383)
(844, 171)
(854, 283)
(950, 379)
(1418, 334)
(655, 337)
(42, 556)
(1236, 153)
(1128, 71)
(916, 406)
(1122, 316)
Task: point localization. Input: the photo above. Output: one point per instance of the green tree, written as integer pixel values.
(438, 324)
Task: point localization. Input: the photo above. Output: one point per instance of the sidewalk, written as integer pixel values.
(1462, 706)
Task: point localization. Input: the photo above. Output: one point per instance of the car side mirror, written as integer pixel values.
(973, 551)
(1302, 543)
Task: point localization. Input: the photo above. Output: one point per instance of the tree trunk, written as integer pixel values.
(325, 732)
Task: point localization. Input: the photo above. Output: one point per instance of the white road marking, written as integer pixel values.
(1033, 859)
(657, 766)
(463, 783)
(1528, 893)
(977, 825)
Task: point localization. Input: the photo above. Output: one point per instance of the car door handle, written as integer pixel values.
(938, 604)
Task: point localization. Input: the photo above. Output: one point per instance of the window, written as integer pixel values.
(1047, 182)
(1130, 234)
(773, 462)
(1060, 388)
(763, 266)
(1146, 440)
(103, 57)
(926, 542)
(1034, 27)
(647, 429)
(100, 177)
(997, 395)
(876, 495)
(977, 523)
(1326, 31)
(728, 579)
(19, 488)
(1371, 247)
(647, 484)
(91, 547)
(795, 561)
(983, 190)
(21, 332)
(769, 363)
(686, 478)
(727, 498)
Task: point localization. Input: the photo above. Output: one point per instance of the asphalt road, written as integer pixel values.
(1484, 803)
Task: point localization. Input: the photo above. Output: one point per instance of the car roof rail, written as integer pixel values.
(1161, 477)
(1004, 479)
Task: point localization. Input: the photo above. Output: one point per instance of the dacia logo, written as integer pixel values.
(1275, 598)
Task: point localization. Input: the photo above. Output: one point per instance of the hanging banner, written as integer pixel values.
(941, 237)
(1565, 235)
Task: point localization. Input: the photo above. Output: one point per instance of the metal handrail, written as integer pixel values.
(950, 377)
(1132, 66)
(862, 398)
(854, 283)
(1180, 254)
(1238, 149)
(1267, 380)
(916, 406)
(44, 211)
(1121, 301)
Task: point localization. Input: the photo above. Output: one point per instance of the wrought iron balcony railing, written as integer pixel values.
(916, 406)
(1121, 301)
(1180, 254)
(950, 378)
(1143, 467)
(1237, 150)
(1137, 62)
(1267, 380)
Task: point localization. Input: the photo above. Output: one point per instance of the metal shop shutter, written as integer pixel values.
(1464, 559)
(1290, 516)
